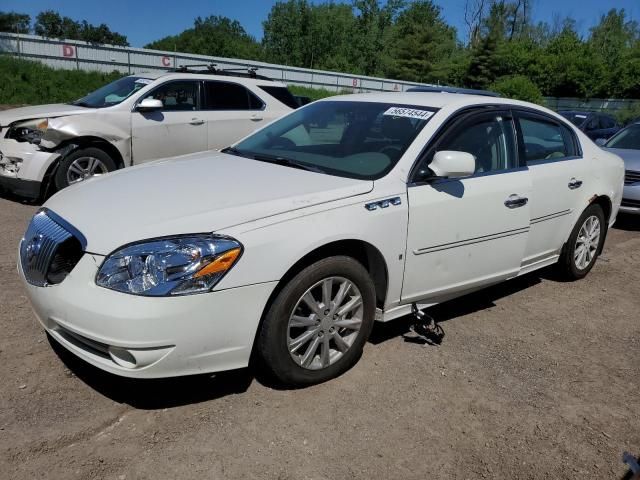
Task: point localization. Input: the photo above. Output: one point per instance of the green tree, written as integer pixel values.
(518, 87)
(51, 24)
(287, 35)
(421, 45)
(14, 22)
(484, 65)
(215, 36)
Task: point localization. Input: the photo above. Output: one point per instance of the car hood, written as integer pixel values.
(27, 113)
(203, 192)
(631, 158)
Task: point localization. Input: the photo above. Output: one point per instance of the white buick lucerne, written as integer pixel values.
(287, 246)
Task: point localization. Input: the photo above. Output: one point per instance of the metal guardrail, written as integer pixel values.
(75, 54)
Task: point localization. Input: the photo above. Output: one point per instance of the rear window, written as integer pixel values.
(281, 94)
(229, 96)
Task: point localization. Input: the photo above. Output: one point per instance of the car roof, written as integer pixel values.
(435, 99)
(208, 76)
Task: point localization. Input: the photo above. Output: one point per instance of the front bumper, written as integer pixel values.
(21, 187)
(631, 199)
(147, 337)
(23, 166)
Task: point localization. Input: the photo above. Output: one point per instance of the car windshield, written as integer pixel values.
(576, 118)
(628, 139)
(113, 93)
(345, 138)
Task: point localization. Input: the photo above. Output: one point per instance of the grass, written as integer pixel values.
(32, 83)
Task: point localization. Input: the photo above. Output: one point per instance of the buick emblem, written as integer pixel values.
(33, 248)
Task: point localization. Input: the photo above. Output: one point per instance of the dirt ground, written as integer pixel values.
(535, 379)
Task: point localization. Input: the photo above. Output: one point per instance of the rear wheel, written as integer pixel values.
(82, 164)
(317, 325)
(584, 244)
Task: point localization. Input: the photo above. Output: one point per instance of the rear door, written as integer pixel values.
(559, 177)
(232, 112)
(468, 232)
(177, 129)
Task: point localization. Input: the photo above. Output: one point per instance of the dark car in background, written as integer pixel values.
(626, 144)
(594, 124)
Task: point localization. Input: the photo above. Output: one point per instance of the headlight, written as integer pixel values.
(170, 266)
(29, 131)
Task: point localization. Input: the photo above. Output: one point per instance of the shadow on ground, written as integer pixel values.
(6, 195)
(629, 223)
(155, 393)
(473, 302)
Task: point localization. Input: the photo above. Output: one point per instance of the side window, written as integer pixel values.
(607, 122)
(177, 96)
(230, 96)
(490, 139)
(545, 140)
(593, 123)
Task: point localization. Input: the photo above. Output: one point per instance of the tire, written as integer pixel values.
(573, 265)
(304, 365)
(71, 166)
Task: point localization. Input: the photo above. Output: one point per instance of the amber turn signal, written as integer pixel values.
(220, 264)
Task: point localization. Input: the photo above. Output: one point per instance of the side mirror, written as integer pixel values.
(601, 141)
(149, 104)
(452, 164)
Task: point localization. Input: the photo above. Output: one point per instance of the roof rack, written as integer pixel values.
(211, 69)
(468, 91)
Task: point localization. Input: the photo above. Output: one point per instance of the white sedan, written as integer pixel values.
(288, 246)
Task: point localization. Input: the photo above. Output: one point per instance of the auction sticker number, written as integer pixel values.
(409, 113)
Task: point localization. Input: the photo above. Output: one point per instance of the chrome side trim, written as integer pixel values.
(550, 216)
(471, 241)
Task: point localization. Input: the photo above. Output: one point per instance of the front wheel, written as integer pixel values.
(317, 325)
(584, 245)
(82, 164)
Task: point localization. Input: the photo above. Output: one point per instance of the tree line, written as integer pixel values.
(51, 24)
(503, 48)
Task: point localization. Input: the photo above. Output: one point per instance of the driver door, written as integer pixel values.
(468, 232)
(177, 129)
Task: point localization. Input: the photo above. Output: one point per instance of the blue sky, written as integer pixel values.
(145, 21)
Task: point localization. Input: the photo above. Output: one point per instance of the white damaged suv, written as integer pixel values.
(289, 245)
(133, 120)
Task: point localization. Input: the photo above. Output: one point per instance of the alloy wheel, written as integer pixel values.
(325, 323)
(587, 243)
(83, 168)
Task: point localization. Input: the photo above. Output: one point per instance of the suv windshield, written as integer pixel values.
(628, 139)
(350, 139)
(113, 93)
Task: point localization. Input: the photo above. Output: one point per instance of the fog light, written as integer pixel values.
(137, 358)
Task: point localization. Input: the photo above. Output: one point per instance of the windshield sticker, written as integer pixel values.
(409, 113)
(144, 81)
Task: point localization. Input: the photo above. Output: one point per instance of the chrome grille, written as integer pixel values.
(631, 177)
(44, 241)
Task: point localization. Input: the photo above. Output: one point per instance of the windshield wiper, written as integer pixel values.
(278, 160)
(287, 162)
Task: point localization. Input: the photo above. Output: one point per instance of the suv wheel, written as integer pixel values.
(584, 244)
(82, 164)
(317, 325)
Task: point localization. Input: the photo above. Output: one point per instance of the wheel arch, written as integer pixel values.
(73, 144)
(364, 252)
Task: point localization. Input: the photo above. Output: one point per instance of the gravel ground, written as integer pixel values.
(535, 379)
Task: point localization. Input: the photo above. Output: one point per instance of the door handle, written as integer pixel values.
(196, 121)
(515, 201)
(255, 117)
(573, 184)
